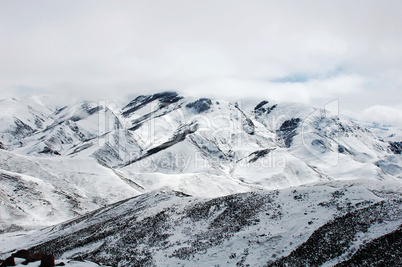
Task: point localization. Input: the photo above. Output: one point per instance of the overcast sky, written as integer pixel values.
(304, 51)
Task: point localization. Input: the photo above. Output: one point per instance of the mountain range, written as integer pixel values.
(168, 179)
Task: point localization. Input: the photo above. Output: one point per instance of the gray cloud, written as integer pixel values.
(305, 51)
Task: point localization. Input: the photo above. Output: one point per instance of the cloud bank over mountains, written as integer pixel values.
(311, 51)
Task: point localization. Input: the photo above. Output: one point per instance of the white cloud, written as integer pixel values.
(391, 115)
(349, 50)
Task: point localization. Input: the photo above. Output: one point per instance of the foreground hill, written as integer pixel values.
(331, 223)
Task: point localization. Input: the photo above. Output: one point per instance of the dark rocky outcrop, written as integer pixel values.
(343, 150)
(35, 257)
(248, 125)
(288, 130)
(263, 108)
(260, 105)
(165, 98)
(179, 136)
(47, 261)
(21, 129)
(396, 147)
(21, 254)
(48, 150)
(201, 105)
(259, 154)
(85, 110)
(8, 262)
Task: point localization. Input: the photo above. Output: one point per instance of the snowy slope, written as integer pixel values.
(328, 223)
(38, 192)
(84, 156)
(171, 180)
(19, 262)
(22, 118)
(391, 164)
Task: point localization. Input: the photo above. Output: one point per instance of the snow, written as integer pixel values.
(67, 262)
(37, 192)
(87, 156)
(274, 224)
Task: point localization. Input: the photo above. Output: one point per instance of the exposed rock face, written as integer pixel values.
(47, 261)
(23, 253)
(40, 260)
(396, 147)
(263, 108)
(8, 262)
(164, 98)
(288, 130)
(35, 257)
(201, 105)
(21, 130)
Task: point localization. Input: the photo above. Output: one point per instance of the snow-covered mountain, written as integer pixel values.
(201, 147)
(329, 223)
(58, 163)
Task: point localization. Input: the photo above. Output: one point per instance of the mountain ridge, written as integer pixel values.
(191, 181)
